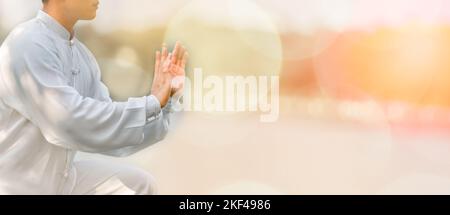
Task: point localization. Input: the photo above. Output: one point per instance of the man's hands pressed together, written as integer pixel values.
(169, 73)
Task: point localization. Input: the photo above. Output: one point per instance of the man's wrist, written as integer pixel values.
(161, 99)
(153, 107)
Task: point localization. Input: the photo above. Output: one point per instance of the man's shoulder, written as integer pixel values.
(29, 34)
(28, 39)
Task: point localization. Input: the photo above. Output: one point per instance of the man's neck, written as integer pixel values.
(66, 22)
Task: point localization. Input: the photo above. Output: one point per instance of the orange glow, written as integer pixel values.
(407, 64)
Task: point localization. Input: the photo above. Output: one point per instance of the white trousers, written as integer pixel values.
(104, 178)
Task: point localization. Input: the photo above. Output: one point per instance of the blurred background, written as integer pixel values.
(364, 91)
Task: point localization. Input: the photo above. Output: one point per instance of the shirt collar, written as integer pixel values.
(54, 25)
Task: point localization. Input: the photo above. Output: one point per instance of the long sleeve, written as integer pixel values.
(39, 90)
(154, 131)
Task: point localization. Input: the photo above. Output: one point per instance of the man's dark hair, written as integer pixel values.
(44, 1)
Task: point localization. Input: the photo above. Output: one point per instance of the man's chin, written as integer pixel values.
(89, 17)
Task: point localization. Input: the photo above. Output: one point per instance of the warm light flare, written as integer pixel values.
(407, 64)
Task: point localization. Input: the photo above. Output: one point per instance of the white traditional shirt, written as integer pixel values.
(53, 104)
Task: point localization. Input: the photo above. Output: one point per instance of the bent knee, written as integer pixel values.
(140, 181)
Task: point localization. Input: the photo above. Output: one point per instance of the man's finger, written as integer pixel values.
(157, 60)
(184, 60)
(176, 52)
(164, 52)
(181, 55)
(167, 63)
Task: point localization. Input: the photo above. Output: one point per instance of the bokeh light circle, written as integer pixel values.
(309, 26)
(227, 37)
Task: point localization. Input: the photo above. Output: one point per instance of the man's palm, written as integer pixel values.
(169, 73)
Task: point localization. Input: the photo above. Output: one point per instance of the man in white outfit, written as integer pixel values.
(53, 104)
